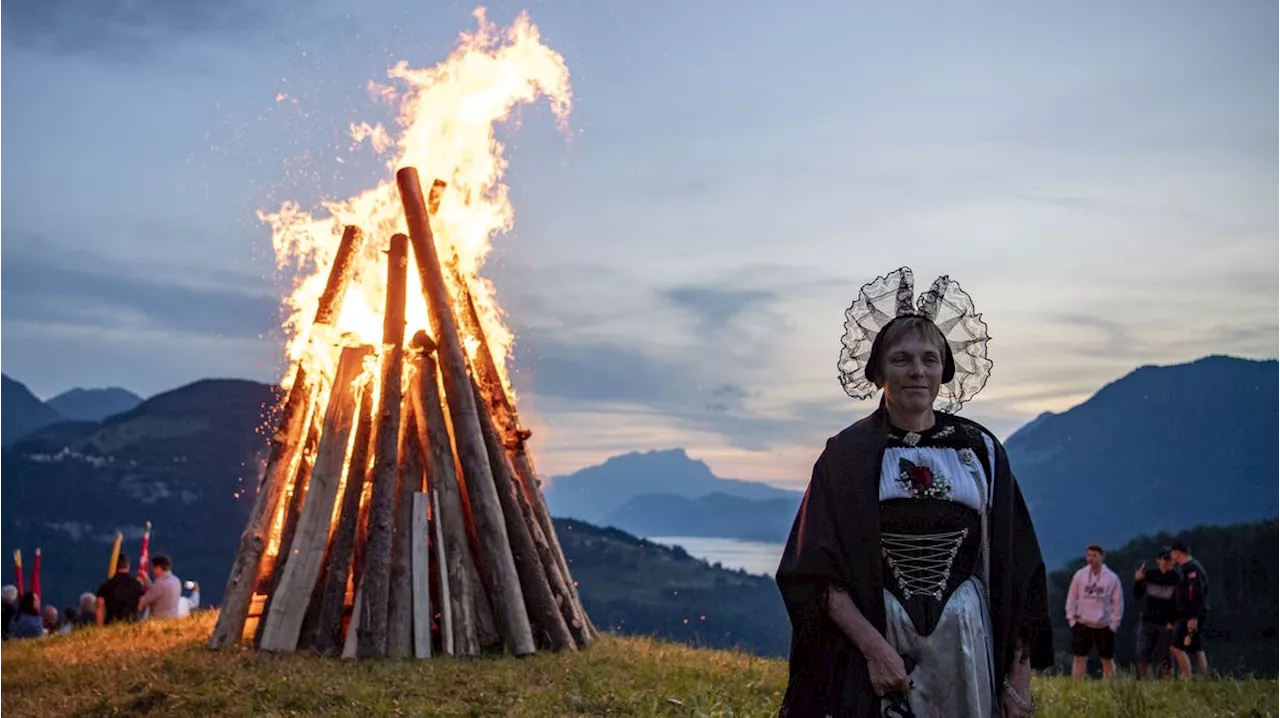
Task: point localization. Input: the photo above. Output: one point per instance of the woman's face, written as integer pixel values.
(912, 374)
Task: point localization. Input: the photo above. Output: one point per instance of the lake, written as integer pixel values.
(758, 557)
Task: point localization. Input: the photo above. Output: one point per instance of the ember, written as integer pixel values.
(399, 513)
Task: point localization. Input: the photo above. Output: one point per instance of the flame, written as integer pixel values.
(447, 115)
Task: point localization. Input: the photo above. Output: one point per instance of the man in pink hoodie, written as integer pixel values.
(1095, 604)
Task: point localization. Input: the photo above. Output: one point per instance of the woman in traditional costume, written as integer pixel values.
(912, 575)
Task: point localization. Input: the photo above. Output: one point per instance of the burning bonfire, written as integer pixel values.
(399, 512)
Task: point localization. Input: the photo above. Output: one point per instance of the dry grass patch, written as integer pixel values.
(163, 669)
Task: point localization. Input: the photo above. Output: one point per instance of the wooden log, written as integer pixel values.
(301, 570)
(337, 571)
(375, 579)
(273, 570)
(243, 581)
(530, 493)
(544, 614)
(285, 443)
(498, 566)
(466, 599)
(446, 607)
(351, 640)
(401, 621)
(573, 616)
(538, 502)
(311, 618)
(507, 420)
(362, 518)
(421, 575)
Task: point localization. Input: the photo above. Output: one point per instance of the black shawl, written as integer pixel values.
(835, 541)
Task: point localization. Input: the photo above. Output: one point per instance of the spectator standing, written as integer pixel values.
(1193, 611)
(1095, 604)
(118, 596)
(189, 603)
(1157, 592)
(164, 594)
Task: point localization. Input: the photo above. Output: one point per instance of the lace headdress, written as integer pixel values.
(945, 304)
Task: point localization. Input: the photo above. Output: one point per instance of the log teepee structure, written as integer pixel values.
(399, 513)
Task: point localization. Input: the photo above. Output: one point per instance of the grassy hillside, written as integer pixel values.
(163, 669)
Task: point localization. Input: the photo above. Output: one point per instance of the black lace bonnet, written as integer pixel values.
(890, 297)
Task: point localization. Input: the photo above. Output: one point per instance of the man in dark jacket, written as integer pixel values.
(1193, 610)
(1157, 594)
(119, 595)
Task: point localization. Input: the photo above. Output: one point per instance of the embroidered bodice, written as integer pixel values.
(932, 490)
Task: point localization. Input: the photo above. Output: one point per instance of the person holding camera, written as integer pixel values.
(189, 603)
(1157, 590)
(164, 593)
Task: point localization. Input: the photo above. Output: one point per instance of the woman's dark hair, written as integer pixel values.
(910, 325)
(27, 604)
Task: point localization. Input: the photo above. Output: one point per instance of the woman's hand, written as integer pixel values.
(888, 673)
(1020, 678)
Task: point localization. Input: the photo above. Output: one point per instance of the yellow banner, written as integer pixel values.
(115, 555)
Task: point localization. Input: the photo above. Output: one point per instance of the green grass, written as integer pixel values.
(163, 669)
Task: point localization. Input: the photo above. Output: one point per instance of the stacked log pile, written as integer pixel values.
(399, 514)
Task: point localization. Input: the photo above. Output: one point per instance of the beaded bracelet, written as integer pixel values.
(1026, 705)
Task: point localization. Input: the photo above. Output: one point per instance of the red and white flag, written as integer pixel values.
(35, 574)
(144, 561)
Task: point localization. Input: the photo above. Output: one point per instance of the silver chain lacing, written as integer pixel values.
(921, 563)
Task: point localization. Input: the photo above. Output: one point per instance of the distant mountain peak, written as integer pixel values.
(80, 404)
(22, 411)
(1139, 454)
(591, 493)
(658, 459)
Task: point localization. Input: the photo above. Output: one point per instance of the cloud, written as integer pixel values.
(600, 371)
(700, 397)
(131, 29)
(726, 397)
(685, 189)
(1076, 203)
(715, 359)
(39, 290)
(715, 307)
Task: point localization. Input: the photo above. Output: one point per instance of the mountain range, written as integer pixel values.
(716, 514)
(21, 412)
(180, 459)
(94, 404)
(25, 413)
(1163, 448)
(600, 493)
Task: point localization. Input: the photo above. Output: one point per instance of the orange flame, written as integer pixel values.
(447, 114)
